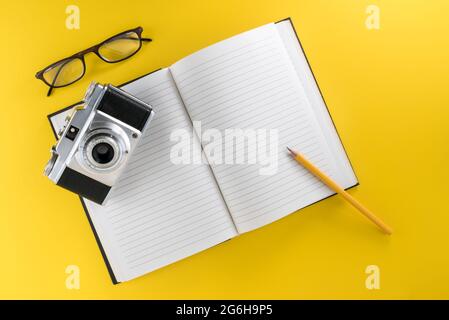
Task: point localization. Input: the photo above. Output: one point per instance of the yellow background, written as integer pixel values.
(388, 93)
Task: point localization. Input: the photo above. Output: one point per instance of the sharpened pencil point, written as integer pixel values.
(291, 151)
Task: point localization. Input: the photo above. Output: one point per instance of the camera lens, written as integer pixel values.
(102, 150)
(103, 153)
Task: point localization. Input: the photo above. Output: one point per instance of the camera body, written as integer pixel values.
(97, 140)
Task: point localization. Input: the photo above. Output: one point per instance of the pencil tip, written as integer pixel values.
(291, 151)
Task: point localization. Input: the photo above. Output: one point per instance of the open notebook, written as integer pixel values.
(160, 212)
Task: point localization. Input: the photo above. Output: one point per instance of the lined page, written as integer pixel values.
(249, 82)
(159, 212)
(316, 101)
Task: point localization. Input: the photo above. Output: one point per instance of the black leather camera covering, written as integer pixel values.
(124, 109)
(83, 185)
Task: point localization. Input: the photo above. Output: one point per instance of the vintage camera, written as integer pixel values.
(97, 141)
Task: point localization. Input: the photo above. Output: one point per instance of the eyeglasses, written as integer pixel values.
(114, 49)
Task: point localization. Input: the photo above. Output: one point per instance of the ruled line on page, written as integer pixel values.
(238, 120)
(186, 222)
(251, 100)
(253, 184)
(138, 184)
(236, 82)
(133, 242)
(143, 196)
(238, 98)
(255, 66)
(187, 202)
(138, 181)
(244, 199)
(246, 169)
(168, 220)
(185, 231)
(155, 258)
(308, 148)
(316, 185)
(229, 53)
(231, 69)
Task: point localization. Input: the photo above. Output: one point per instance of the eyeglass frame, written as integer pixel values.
(80, 55)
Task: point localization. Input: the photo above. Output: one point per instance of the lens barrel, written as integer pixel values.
(102, 150)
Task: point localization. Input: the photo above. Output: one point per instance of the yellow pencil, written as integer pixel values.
(334, 186)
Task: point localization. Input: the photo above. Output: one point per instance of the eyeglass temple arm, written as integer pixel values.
(146, 39)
